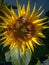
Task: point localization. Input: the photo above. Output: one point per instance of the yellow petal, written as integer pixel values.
(45, 27)
(17, 3)
(23, 10)
(42, 35)
(6, 14)
(33, 11)
(39, 20)
(39, 9)
(23, 49)
(36, 41)
(28, 9)
(3, 27)
(8, 10)
(13, 14)
(31, 45)
(4, 33)
(4, 19)
(40, 13)
(40, 24)
(3, 38)
(12, 46)
(7, 21)
(19, 10)
(3, 24)
(28, 46)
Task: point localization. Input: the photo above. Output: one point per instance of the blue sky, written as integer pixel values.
(44, 3)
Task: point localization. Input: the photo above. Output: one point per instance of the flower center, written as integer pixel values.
(22, 29)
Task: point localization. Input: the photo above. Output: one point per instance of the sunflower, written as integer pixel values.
(23, 30)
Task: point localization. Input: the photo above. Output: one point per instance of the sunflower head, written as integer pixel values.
(22, 30)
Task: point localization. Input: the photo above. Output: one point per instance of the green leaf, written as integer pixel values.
(17, 58)
(38, 63)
